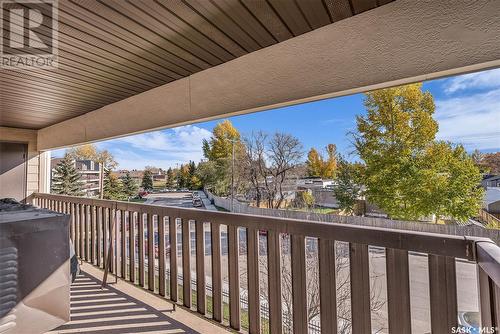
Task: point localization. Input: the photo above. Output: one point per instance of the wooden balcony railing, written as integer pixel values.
(137, 224)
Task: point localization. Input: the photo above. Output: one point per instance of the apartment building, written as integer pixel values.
(89, 175)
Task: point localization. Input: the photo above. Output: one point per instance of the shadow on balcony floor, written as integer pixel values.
(111, 311)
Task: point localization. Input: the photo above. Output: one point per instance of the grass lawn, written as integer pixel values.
(138, 200)
(221, 209)
(317, 210)
(159, 184)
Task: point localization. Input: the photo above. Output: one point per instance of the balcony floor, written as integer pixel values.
(124, 308)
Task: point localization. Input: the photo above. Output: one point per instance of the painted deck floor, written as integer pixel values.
(124, 308)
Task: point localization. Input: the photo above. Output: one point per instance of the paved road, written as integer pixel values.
(180, 199)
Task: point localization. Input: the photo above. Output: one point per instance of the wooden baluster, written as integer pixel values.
(92, 234)
(328, 288)
(99, 229)
(72, 223)
(112, 240)
(123, 243)
(443, 293)
(253, 281)
(151, 253)
(485, 300)
(77, 230)
(186, 263)
(234, 277)
(161, 255)
(299, 297)
(83, 234)
(200, 267)
(173, 258)
(131, 240)
(274, 274)
(360, 289)
(105, 235)
(216, 272)
(88, 228)
(398, 291)
(141, 220)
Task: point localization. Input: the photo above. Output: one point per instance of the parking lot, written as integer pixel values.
(180, 199)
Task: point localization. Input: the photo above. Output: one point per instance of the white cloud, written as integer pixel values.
(472, 120)
(182, 139)
(164, 148)
(478, 80)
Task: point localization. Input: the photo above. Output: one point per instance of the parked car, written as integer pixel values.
(197, 202)
(195, 194)
(468, 322)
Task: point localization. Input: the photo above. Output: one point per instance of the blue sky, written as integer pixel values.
(467, 110)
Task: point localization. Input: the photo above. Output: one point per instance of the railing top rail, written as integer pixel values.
(488, 258)
(431, 243)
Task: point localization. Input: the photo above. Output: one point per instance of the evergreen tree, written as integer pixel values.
(347, 189)
(170, 179)
(183, 176)
(147, 180)
(90, 152)
(129, 186)
(194, 180)
(112, 187)
(66, 180)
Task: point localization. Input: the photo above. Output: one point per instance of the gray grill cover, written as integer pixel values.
(34, 269)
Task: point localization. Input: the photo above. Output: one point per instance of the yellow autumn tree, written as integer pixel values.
(320, 166)
(216, 173)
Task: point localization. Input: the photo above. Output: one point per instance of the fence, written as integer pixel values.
(96, 223)
(490, 219)
(476, 231)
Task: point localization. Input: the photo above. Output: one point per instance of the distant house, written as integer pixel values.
(491, 181)
(315, 183)
(491, 201)
(134, 174)
(89, 175)
(161, 177)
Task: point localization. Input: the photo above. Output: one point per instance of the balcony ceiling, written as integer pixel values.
(110, 50)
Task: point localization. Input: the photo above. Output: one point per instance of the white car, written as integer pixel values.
(197, 202)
